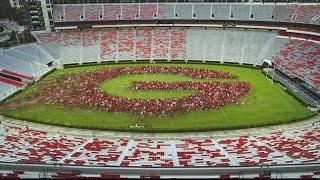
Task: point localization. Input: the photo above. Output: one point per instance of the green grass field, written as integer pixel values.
(267, 104)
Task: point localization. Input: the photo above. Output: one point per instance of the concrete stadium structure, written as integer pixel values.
(297, 13)
(33, 150)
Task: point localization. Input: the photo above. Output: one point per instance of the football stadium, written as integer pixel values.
(163, 89)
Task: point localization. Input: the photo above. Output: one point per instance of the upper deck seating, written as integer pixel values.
(301, 59)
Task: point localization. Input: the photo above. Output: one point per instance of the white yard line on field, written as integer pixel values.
(225, 116)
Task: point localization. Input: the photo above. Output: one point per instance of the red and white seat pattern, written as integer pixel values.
(71, 45)
(90, 45)
(20, 140)
(71, 38)
(90, 38)
(125, 44)
(178, 44)
(311, 134)
(148, 153)
(148, 11)
(305, 14)
(130, 11)
(108, 45)
(49, 37)
(13, 138)
(248, 151)
(73, 12)
(15, 174)
(301, 58)
(24, 145)
(289, 12)
(112, 12)
(50, 150)
(161, 40)
(143, 43)
(98, 152)
(193, 152)
(92, 12)
(301, 150)
(8, 130)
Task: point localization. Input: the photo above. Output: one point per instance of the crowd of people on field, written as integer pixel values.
(82, 91)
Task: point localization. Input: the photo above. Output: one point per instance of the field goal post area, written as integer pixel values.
(271, 69)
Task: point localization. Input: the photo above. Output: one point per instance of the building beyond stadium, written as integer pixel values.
(277, 34)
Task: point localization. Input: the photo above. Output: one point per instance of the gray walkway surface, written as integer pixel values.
(11, 26)
(132, 135)
(8, 27)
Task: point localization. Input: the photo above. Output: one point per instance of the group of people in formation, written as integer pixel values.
(82, 91)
